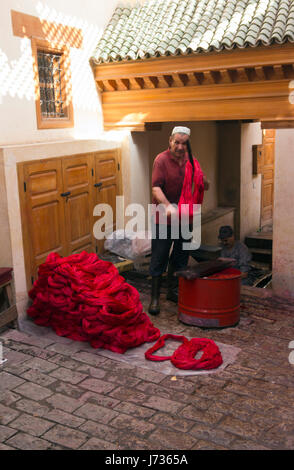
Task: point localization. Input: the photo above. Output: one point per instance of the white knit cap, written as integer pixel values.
(181, 130)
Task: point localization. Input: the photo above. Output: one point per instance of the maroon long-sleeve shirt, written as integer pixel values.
(169, 176)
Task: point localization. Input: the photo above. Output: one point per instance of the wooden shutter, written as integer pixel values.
(107, 184)
(44, 211)
(78, 203)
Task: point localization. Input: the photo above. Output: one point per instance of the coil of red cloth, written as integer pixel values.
(184, 356)
(85, 299)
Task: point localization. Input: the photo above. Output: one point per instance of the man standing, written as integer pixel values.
(168, 176)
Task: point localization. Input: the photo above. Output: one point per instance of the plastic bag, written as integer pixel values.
(129, 245)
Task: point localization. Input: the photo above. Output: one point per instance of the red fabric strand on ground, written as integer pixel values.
(85, 299)
(159, 344)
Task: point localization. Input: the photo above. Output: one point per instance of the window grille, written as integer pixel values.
(51, 86)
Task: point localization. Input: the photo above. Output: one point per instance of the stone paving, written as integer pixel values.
(56, 393)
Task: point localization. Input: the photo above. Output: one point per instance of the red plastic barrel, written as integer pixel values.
(212, 301)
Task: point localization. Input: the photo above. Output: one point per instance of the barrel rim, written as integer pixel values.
(236, 276)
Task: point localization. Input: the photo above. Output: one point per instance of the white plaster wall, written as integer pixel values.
(20, 140)
(283, 219)
(17, 106)
(5, 245)
(140, 172)
(250, 191)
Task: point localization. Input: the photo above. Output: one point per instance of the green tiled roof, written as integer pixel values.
(155, 28)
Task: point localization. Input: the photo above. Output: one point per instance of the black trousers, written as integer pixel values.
(161, 246)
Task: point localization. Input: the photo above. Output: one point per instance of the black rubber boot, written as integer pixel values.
(172, 285)
(154, 307)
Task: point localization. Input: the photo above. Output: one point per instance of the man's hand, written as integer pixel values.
(171, 210)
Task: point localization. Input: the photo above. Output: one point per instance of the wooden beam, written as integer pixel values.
(288, 71)
(248, 90)
(123, 84)
(150, 82)
(153, 126)
(237, 58)
(278, 72)
(136, 83)
(287, 124)
(109, 85)
(260, 73)
(260, 109)
(128, 126)
(216, 76)
(199, 77)
(192, 80)
(100, 86)
(163, 81)
(242, 75)
(257, 100)
(225, 76)
(179, 79)
(208, 78)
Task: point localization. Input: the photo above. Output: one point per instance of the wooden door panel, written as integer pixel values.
(80, 217)
(267, 177)
(44, 211)
(268, 154)
(42, 183)
(267, 195)
(45, 241)
(107, 167)
(77, 174)
(268, 174)
(107, 176)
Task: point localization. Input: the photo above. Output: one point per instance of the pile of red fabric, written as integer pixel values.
(85, 299)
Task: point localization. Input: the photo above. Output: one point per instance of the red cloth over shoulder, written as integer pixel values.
(187, 199)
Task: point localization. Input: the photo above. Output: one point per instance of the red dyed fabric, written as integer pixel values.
(159, 344)
(228, 273)
(184, 356)
(85, 299)
(187, 199)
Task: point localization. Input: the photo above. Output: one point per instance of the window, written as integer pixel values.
(52, 85)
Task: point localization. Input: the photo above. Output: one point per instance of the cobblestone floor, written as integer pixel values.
(56, 393)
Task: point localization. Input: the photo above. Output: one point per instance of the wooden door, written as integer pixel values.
(107, 186)
(44, 213)
(267, 177)
(78, 174)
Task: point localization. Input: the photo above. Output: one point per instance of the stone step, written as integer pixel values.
(260, 265)
(259, 240)
(263, 255)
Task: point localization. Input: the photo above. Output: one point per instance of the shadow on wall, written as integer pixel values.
(17, 76)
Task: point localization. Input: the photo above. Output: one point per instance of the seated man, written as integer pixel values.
(235, 249)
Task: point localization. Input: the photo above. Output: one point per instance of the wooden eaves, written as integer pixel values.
(238, 84)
